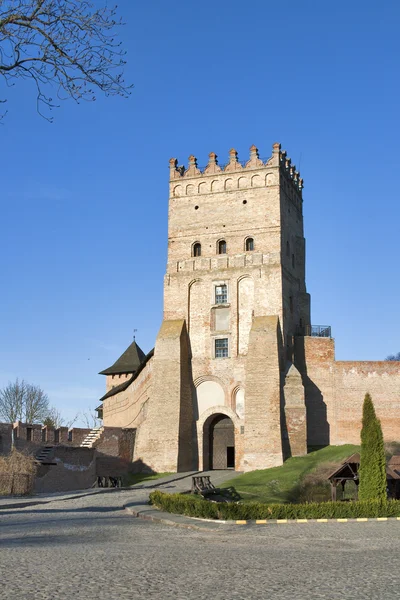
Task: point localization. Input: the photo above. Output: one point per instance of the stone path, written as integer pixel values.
(89, 548)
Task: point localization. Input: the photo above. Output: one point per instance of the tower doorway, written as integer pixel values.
(219, 443)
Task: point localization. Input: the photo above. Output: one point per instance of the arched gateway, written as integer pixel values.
(218, 442)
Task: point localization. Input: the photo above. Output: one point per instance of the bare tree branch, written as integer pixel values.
(68, 44)
(21, 401)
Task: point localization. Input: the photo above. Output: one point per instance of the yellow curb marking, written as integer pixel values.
(361, 519)
(322, 520)
(342, 520)
(281, 520)
(302, 520)
(241, 522)
(382, 519)
(261, 521)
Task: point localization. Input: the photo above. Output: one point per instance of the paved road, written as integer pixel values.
(89, 548)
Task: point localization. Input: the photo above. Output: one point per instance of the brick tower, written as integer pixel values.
(224, 391)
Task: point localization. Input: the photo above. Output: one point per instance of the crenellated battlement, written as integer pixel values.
(234, 165)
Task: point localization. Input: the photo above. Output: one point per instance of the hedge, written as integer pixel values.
(192, 506)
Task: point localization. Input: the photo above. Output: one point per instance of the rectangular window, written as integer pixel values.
(221, 348)
(221, 294)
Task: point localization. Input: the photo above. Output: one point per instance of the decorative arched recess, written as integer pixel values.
(243, 182)
(269, 179)
(238, 401)
(177, 191)
(256, 181)
(209, 394)
(196, 304)
(216, 185)
(189, 190)
(245, 306)
(230, 184)
(202, 187)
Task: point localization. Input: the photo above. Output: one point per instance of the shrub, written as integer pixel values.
(191, 506)
(372, 471)
(17, 473)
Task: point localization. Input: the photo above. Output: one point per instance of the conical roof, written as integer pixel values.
(128, 362)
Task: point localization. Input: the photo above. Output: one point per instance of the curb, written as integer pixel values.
(291, 521)
(147, 513)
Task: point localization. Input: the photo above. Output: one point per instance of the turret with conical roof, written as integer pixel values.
(128, 362)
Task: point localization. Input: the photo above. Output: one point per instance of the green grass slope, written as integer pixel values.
(281, 484)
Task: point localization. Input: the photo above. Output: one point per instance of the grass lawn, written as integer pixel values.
(279, 484)
(134, 478)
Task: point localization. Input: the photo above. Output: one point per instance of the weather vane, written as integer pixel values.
(134, 336)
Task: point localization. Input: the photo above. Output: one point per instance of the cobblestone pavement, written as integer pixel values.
(89, 548)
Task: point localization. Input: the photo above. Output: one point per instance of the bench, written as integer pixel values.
(202, 485)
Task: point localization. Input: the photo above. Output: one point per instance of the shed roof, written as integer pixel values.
(128, 362)
(394, 462)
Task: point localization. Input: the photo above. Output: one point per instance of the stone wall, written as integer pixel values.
(75, 470)
(335, 393)
(128, 408)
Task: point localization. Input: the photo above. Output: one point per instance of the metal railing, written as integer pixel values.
(323, 331)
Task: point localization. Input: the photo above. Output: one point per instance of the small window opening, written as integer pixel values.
(44, 435)
(244, 201)
(29, 434)
(221, 294)
(293, 261)
(70, 435)
(221, 348)
(249, 244)
(197, 249)
(222, 247)
(287, 249)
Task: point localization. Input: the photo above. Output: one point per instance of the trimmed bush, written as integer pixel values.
(373, 461)
(192, 506)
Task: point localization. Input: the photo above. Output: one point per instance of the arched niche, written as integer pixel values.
(245, 306)
(243, 182)
(216, 185)
(239, 402)
(209, 394)
(256, 181)
(178, 191)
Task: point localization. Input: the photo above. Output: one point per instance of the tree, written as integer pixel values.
(373, 463)
(55, 419)
(63, 43)
(91, 419)
(21, 401)
(393, 357)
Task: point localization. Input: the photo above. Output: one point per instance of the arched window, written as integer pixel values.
(222, 247)
(196, 249)
(249, 244)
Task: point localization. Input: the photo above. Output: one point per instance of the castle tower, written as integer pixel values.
(236, 278)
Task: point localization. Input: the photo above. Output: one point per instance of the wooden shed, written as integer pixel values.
(348, 471)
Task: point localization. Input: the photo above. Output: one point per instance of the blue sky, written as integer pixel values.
(84, 200)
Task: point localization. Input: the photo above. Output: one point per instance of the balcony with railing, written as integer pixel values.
(323, 331)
